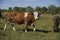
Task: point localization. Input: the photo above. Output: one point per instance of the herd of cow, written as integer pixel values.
(26, 18)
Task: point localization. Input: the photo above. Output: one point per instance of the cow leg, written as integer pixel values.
(26, 29)
(26, 25)
(33, 27)
(33, 24)
(12, 24)
(55, 28)
(6, 25)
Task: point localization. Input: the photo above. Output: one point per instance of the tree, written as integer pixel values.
(58, 10)
(22, 9)
(16, 9)
(44, 9)
(52, 9)
(38, 9)
(10, 8)
(29, 9)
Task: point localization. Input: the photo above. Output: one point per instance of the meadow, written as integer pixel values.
(43, 30)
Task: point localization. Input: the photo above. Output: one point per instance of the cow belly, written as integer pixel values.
(19, 21)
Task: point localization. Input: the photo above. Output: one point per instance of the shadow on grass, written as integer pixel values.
(37, 30)
(45, 31)
(1, 28)
(58, 30)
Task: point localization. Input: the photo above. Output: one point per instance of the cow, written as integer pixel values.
(56, 20)
(26, 18)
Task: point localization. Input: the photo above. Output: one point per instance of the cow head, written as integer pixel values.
(36, 15)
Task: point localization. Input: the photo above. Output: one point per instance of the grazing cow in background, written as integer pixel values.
(56, 20)
(26, 18)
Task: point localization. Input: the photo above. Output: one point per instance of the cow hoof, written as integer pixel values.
(25, 30)
(34, 29)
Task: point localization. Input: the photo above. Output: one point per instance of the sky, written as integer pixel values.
(5, 4)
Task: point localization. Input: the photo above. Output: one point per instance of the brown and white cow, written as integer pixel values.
(26, 18)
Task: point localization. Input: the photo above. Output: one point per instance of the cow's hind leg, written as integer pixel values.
(55, 28)
(6, 25)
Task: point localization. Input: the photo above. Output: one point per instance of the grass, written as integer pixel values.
(43, 32)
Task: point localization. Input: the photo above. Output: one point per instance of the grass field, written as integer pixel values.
(43, 30)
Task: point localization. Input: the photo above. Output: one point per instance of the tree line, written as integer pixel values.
(51, 9)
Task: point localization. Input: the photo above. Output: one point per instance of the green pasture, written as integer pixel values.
(43, 30)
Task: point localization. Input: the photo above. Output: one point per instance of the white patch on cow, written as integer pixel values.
(26, 14)
(36, 15)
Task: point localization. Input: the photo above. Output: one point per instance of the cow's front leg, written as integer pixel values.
(26, 25)
(33, 27)
(12, 24)
(26, 29)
